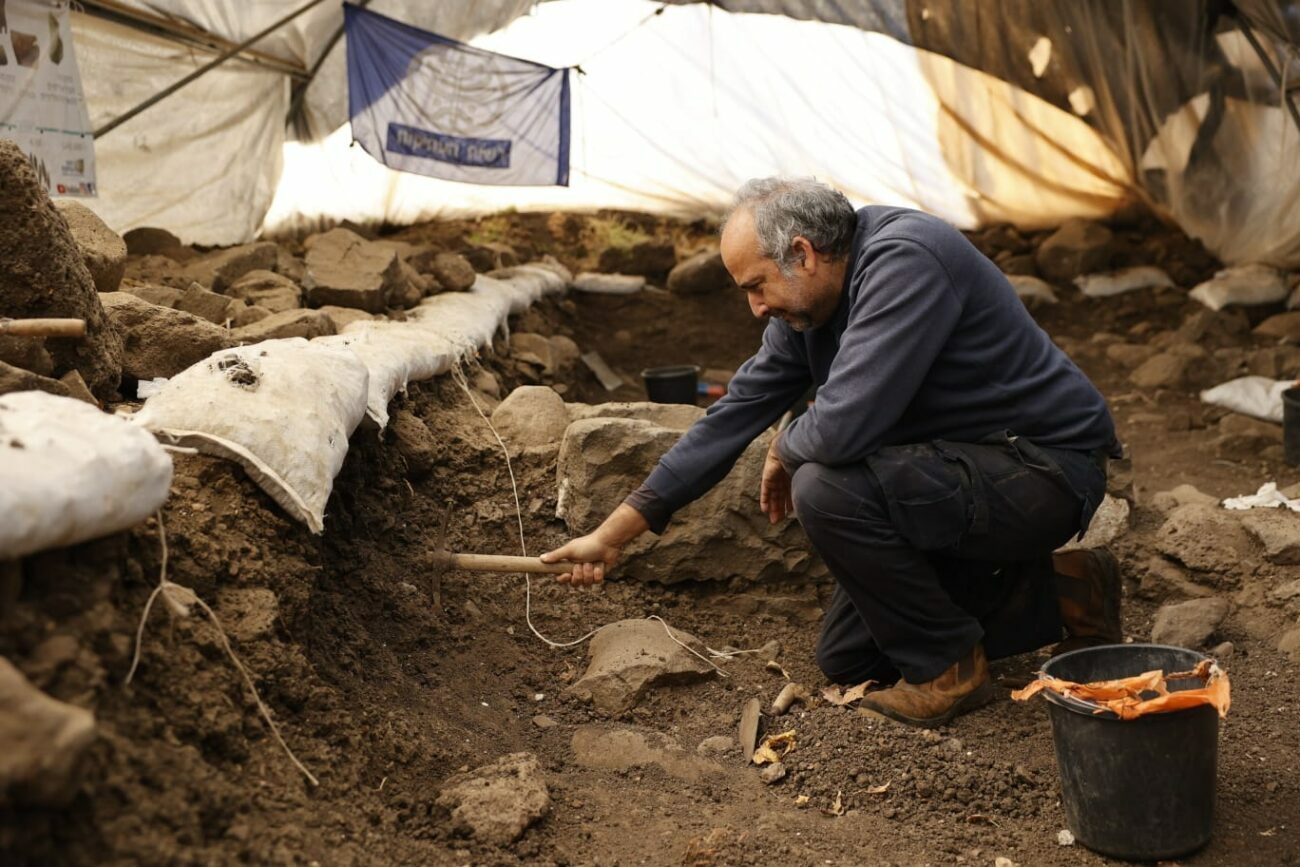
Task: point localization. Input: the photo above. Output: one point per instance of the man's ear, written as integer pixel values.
(805, 254)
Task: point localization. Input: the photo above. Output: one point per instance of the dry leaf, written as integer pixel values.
(837, 806)
(774, 747)
(878, 790)
(838, 697)
(801, 801)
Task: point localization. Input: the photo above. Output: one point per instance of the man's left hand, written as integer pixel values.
(774, 495)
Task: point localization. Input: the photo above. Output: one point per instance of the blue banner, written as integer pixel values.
(426, 104)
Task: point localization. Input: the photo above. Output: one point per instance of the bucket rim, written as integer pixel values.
(670, 371)
(1093, 711)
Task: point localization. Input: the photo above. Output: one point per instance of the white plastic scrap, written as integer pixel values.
(283, 409)
(609, 284)
(1258, 396)
(1267, 497)
(1032, 288)
(1241, 285)
(72, 473)
(1123, 280)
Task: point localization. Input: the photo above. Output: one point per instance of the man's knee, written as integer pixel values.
(822, 493)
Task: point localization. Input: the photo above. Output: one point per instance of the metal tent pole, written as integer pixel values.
(220, 59)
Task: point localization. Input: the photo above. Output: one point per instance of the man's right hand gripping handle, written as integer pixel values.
(597, 552)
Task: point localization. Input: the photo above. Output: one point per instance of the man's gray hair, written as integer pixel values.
(784, 208)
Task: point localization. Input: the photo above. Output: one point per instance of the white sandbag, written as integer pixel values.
(283, 409)
(609, 284)
(465, 319)
(1241, 285)
(1032, 288)
(1123, 280)
(469, 319)
(72, 473)
(528, 284)
(394, 354)
(1258, 396)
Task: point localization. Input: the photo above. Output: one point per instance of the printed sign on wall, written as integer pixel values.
(426, 104)
(41, 103)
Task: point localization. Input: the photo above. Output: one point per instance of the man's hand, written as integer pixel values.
(774, 496)
(596, 553)
(592, 558)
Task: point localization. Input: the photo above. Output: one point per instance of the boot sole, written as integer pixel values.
(977, 698)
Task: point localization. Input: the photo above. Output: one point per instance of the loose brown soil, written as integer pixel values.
(384, 694)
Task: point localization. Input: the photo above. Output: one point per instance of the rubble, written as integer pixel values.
(345, 270)
(603, 459)
(1205, 538)
(44, 275)
(1189, 624)
(699, 275)
(267, 289)
(497, 802)
(290, 323)
(1278, 530)
(217, 309)
(159, 341)
(101, 249)
(1078, 247)
(221, 268)
(453, 271)
(148, 241)
(44, 742)
(629, 657)
(531, 415)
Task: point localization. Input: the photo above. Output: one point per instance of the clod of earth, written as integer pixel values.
(44, 742)
(497, 802)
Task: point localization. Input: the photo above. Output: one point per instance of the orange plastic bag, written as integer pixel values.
(1125, 697)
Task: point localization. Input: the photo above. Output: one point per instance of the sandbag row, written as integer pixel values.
(285, 409)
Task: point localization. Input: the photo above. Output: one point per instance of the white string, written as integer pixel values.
(459, 376)
(163, 585)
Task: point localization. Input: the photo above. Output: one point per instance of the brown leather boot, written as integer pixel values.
(1088, 591)
(963, 687)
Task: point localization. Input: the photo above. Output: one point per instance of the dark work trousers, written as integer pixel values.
(936, 547)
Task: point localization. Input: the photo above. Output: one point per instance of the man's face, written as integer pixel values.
(803, 299)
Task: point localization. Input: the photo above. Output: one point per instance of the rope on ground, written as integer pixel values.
(179, 599)
(459, 376)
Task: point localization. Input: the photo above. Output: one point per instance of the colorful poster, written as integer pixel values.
(41, 103)
(426, 104)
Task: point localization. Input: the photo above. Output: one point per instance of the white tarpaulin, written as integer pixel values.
(41, 103)
(1026, 111)
(425, 104)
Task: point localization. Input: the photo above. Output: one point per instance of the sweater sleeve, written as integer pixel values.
(762, 389)
(904, 308)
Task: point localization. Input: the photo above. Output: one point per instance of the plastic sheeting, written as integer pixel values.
(1023, 111)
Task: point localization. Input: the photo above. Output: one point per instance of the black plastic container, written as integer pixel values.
(675, 384)
(1141, 789)
(1291, 425)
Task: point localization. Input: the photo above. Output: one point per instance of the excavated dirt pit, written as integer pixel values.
(384, 694)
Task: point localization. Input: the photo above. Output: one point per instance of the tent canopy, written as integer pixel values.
(1021, 111)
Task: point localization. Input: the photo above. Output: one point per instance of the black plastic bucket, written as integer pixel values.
(675, 384)
(1291, 425)
(1141, 789)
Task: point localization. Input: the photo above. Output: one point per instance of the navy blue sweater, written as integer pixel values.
(929, 341)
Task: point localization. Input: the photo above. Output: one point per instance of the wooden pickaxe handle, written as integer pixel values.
(43, 327)
(505, 563)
